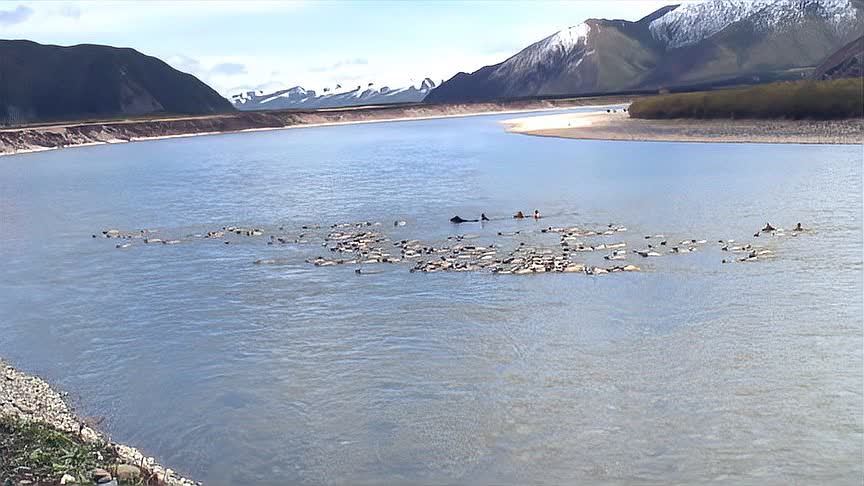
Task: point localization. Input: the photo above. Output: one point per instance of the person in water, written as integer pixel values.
(537, 214)
(484, 218)
(519, 215)
(798, 227)
(768, 228)
(457, 220)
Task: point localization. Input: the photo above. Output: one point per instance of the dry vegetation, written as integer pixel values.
(823, 100)
(36, 453)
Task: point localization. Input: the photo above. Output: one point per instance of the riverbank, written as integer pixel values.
(43, 441)
(619, 126)
(35, 138)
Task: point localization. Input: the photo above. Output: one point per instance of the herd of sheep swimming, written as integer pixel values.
(364, 244)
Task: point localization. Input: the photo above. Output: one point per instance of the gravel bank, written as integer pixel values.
(619, 126)
(31, 399)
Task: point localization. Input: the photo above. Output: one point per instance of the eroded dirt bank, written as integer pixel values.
(46, 137)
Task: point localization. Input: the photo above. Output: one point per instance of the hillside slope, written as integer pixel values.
(48, 83)
(847, 62)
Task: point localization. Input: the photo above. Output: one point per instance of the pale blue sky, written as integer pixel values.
(234, 45)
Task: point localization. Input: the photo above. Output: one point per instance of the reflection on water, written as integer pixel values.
(695, 371)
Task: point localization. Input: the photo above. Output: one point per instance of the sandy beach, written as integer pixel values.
(619, 126)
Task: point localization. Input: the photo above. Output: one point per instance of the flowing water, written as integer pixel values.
(234, 373)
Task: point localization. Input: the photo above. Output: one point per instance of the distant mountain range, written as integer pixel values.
(52, 83)
(338, 96)
(695, 44)
(701, 44)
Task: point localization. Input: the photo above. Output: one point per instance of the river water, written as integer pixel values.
(235, 373)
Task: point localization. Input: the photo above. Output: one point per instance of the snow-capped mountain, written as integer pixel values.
(693, 22)
(550, 51)
(695, 44)
(332, 96)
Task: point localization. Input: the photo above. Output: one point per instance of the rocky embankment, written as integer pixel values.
(29, 399)
(47, 137)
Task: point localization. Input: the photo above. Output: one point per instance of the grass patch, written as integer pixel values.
(823, 100)
(41, 454)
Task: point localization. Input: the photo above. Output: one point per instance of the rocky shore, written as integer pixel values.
(53, 136)
(26, 399)
(619, 126)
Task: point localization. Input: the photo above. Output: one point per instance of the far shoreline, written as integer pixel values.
(42, 138)
(618, 126)
(606, 125)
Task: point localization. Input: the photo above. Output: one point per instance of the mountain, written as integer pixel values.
(847, 62)
(300, 98)
(712, 42)
(51, 83)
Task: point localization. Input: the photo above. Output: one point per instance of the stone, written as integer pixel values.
(23, 408)
(67, 479)
(127, 472)
(100, 475)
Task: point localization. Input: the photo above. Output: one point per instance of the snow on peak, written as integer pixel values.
(693, 22)
(560, 43)
(334, 95)
(549, 50)
(567, 38)
(297, 92)
(427, 84)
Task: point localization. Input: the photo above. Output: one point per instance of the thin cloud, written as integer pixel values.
(70, 11)
(185, 64)
(228, 69)
(12, 17)
(92, 18)
(347, 62)
(218, 73)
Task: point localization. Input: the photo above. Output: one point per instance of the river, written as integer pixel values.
(689, 371)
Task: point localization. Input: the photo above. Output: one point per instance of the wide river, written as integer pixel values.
(689, 371)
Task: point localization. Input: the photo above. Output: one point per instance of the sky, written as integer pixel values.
(236, 46)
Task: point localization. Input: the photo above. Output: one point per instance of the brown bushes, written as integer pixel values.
(839, 98)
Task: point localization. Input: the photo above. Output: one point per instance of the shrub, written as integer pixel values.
(839, 98)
